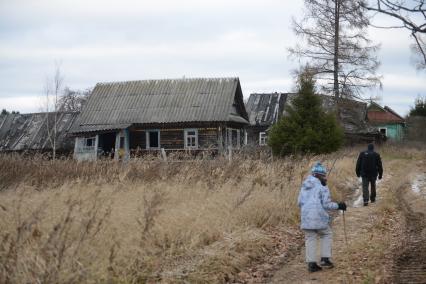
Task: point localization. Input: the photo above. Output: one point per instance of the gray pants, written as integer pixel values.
(325, 236)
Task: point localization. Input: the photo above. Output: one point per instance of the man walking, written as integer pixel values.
(369, 167)
(314, 201)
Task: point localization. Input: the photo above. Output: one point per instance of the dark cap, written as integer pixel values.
(370, 147)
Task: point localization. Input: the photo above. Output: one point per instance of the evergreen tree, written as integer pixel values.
(307, 128)
(419, 107)
(4, 112)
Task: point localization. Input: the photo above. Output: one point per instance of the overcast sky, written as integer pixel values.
(103, 41)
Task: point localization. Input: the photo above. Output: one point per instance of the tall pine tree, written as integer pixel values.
(307, 128)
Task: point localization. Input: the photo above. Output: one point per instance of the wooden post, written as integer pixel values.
(238, 139)
(163, 155)
(220, 139)
(96, 146)
(117, 146)
(76, 148)
(126, 133)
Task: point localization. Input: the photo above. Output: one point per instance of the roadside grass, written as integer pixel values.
(148, 221)
(395, 151)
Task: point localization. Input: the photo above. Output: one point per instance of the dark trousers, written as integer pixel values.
(365, 193)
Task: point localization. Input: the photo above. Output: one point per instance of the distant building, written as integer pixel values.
(265, 109)
(387, 121)
(34, 132)
(121, 118)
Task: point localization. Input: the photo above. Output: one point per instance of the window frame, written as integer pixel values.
(385, 129)
(122, 142)
(263, 138)
(147, 139)
(186, 136)
(86, 139)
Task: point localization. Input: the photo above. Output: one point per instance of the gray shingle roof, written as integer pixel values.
(265, 109)
(30, 131)
(119, 104)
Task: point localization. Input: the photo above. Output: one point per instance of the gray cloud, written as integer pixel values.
(99, 41)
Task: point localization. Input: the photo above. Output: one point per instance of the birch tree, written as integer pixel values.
(52, 91)
(334, 43)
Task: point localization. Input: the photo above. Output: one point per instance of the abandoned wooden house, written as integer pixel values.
(387, 121)
(265, 109)
(36, 132)
(125, 118)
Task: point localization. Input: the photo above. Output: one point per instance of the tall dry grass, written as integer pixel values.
(147, 221)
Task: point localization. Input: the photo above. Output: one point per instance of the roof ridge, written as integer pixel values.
(170, 79)
(271, 93)
(393, 112)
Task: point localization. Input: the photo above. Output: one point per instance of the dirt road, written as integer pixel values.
(410, 258)
(386, 240)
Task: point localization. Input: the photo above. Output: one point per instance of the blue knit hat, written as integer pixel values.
(318, 168)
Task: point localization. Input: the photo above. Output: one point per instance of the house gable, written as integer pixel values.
(380, 115)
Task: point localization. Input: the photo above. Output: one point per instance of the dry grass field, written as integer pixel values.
(148, 221)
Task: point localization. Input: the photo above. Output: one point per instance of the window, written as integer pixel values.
(153, 139)
(262, 138)
(235, 138)
(191, 138)
(89, 142)
(383, 131)
(122, 142)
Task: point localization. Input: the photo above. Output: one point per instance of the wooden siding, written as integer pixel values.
(253, 134)
(394, 131)
(137, 139)
(171, 138)
(208, 138)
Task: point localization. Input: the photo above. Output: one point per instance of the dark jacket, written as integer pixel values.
(369, 164)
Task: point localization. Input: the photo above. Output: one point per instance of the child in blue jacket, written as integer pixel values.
(314, 201)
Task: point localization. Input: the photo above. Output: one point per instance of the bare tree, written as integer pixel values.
(72, 100)
(411, 15)
(336, 46)
(419, 50)
(53, 90)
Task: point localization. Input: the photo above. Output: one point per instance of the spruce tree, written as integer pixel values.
(307, 128)
(419, 107)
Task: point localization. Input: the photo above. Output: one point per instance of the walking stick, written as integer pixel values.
(341, 198)
(344, 230)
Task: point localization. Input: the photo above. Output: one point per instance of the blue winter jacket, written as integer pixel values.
(314, 200)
